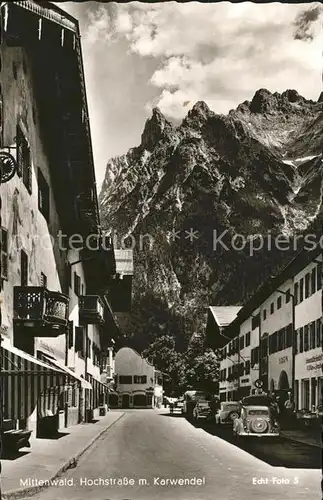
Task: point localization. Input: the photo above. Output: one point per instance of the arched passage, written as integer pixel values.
(283, 383)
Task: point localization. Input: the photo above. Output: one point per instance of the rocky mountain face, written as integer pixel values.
(203, 201)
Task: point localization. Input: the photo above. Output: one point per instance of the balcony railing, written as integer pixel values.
(91, 310)
(41, 309)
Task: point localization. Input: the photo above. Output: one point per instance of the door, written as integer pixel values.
(125, 401)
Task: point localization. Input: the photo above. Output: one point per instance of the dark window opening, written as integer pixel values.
(24, 159)
(43, 280)
(24, 268)
(43, 195)
(125, 379)
(4, 254)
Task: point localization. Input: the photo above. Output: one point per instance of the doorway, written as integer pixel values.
(125, 401)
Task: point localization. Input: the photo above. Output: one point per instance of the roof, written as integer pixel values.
(224, 315)
(124, 261)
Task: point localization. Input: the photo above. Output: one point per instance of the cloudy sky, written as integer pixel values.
(170, 55)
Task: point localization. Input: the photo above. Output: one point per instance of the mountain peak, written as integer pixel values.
(155, 128)
(199, 113)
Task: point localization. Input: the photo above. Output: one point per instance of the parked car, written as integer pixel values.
(258, 418)
(179, 404)
(190, 400)
(202, 409)
(227, 412)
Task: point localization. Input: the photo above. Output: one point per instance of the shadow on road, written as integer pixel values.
(277, 452)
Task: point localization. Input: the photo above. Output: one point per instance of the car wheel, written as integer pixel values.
(233, 415)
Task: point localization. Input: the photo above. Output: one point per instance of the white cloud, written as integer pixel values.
(139, 55)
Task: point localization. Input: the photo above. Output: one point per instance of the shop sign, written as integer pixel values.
(314, 363)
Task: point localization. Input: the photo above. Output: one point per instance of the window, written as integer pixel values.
(289, 336)
(88, 349)
(247, 371)
(4, 254)
(242, 342)
(254, 356)
(82, 289)
(301, 339)
(301, 290)
(319, 277)
(264, 347)
(307, 285)
(77, 284)
(79, 340)
(296, 291)
(247, 339)
(43, 280)
(313, 281)
(273, 343)
(281, 335)
(264, 314)
(255, 321)
(241, 369)
(319, 330)
(125, 379)
(279, 302)
(70, 333)
(306, 339)
(287, 296)
(24, 159)
(297, 341)
(140, 379)
(272, 308)
(43, 195)
(68, 275)
(24, 268)
(312, 335)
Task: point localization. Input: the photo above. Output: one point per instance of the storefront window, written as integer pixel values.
(305, 394)
(313, 391)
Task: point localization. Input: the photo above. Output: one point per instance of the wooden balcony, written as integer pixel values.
(43, 312)
(91, 310)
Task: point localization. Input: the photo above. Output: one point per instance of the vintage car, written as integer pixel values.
(227, 412)
(202, 409)
(258, 418)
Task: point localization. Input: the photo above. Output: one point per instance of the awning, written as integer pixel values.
(24, 379)
(55, 364)
(98, 385)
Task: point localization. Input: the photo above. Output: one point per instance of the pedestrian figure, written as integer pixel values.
(289, 407)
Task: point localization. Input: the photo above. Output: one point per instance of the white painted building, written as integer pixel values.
(263, 345)
(138, 382)
(308, 326)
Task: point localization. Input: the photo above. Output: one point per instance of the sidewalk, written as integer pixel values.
(309, 438)
(49, 458)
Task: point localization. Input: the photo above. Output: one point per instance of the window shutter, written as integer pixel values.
(19, 143)
(70, 334)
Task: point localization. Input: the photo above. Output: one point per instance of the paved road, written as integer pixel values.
(150, 447)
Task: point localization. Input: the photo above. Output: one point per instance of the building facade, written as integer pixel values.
(137, 382)
(276, 337)
(57, 326)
